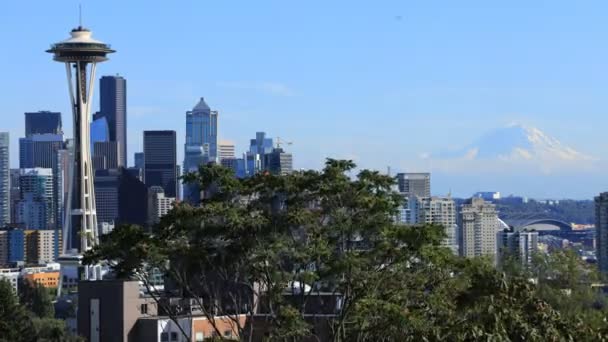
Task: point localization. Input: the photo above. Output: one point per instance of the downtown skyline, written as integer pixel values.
(380, 85)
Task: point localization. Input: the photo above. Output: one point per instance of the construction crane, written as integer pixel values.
(280, 142)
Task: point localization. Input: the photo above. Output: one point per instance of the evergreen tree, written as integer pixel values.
(15, 324)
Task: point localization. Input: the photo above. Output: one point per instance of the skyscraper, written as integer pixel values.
(201, 144)
(104, 155)
(5, 177)
(440, 211)
(39, 150)
(113, 106)
(414, 184)
(261, 144)
(138, 160)
(278, 162)
(601, 228)
(121, 197)
(42, 122)
(160, 161)
(478, 228)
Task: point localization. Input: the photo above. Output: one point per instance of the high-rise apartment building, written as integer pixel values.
(30, 247)
(160, 161)
(414, 184)
(226, 150)
(5, 180)
(35, 208)
(439, 211)
(601, 231)
(113, 106)
(43, 122)
(520, 245)
(158, 204)
(478, 228)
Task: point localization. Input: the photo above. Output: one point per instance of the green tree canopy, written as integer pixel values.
(275, 245)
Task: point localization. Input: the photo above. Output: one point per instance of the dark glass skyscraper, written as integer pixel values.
(160, 161)
(113, 106)
(138, 159)
(121, 197)
(43, 122)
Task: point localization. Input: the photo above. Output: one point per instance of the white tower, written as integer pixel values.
(80, 54)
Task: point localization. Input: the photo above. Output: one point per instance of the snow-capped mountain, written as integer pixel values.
(517, 142)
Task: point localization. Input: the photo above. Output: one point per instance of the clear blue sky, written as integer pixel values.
(377, 81)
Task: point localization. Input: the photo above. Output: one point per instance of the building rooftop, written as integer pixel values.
(201, 106)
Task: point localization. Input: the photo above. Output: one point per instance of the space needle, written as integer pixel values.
(80, 53)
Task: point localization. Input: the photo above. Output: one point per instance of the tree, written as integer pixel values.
(36, 298)
(15, 324)
(271, 248)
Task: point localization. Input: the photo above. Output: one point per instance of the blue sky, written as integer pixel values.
(380, 82)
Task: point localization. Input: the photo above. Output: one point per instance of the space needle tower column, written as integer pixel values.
(80, 54)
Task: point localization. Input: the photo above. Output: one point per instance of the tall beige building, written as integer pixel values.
(46, 246)
(440, 211)
(478, 228)
(226, 150)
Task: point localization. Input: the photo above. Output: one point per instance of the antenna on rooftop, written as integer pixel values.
(79, 15)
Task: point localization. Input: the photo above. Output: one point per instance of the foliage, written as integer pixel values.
(15, 324)
(36, 298)
(565, 281)
(274, 245)
(18, 324)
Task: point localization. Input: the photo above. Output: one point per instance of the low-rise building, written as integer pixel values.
(12, 276)
(48, 279)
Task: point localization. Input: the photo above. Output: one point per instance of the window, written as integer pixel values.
(173, 336)
(227, 333)
(164, 337)
(199, 337)
(144, 309)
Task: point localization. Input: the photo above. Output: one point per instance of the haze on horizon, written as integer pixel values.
(386, 84)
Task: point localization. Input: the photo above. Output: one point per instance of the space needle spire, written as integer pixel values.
(80, 53)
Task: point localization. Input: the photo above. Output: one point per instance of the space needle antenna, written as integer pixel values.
(80, 15)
